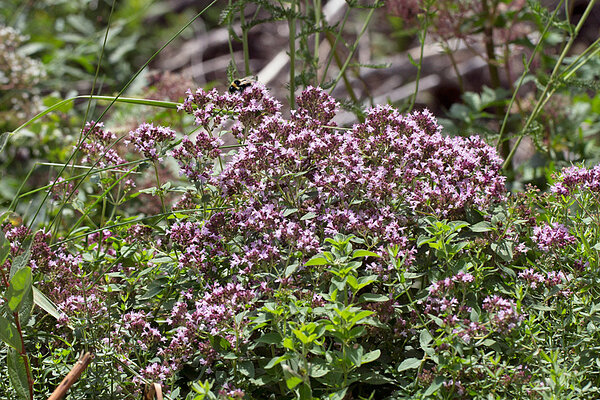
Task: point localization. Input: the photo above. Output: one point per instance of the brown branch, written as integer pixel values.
(72, 376)
(152, 391)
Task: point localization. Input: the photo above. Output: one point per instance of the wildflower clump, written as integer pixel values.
(294, 180)
(228, 270)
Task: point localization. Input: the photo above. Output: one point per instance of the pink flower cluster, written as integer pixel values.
(200, 244)
(574, 179)
(97, 146)
(503, 314)
(552, 236)
(440, 287)
(149, 139)
(549, 280)
(213, 314)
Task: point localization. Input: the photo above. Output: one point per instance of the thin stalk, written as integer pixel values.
(23, 354)
(502, 133)
(550, 88)
(317, 8)
(245, 40)
(447, 50)
(333, 46)
(85, 215)
(353, 49)
(158, 187)
(492, 62)
(422, 37)
(229, 36)
(488, 34)
(292, 44)
(338, 61)
(89, 104)
(581, 59)
(139, 71)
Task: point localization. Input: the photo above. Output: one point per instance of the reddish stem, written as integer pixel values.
(23, 354)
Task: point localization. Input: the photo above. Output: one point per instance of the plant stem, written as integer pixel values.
(502, 133)
(317, 9)
(353, 49)
(245, 40)
(292, 44)
(23, 354)
(333, 46)
(338, 61)
(158, 187)
(550, 87)
(422, 37)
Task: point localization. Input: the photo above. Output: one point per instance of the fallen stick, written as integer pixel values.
(72, 376)
(152, 391)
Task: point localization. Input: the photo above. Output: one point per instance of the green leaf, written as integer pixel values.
(305, 392)
(435, 385)
(155, 288)
(9, 334)
(17, 372)
(291, 269)
(19, 288)
(289, 211)
(293, 381)
(21, 260)
(483, 226)
(425, 338)
(246, 368)
(409, 363)
(277, 360)
(26, 308)
(270, 338)
(371, 356)
(339, 395)
(361, 315)
(422, 239)
(504, 249)
(373, 298)
(44, 303)
(364, 253)
(288, 343)
(541, 307)
(307, 216)
(319, 368)
(317, 260)
(355, 355)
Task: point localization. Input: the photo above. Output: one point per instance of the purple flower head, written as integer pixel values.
(503, 313)
(575, 179)
(211, 109)
(149, 139)
(552, 236)
(315, 103)
(97, 146)
(63, 190)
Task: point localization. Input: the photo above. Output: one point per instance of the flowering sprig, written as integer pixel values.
(577, 179)
(150, 140)
(552, 236)
(503, 313)
(97, 146)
